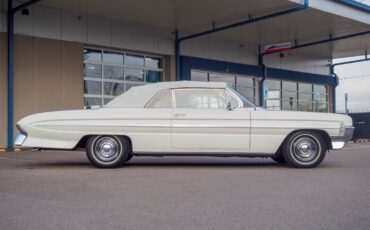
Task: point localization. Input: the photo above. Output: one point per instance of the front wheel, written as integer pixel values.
(304, 149)
(107, 151)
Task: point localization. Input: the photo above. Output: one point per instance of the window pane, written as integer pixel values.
(114, 89)
(161, 100)
(319, 88)
(200, 99)
(289, 86)
(107, 100)
(244, 81)
(305, 106)
(289, 95)
(152, 76)
(222, 78)
(305, 96)
(199, 76)
(134, 74)
(321, 107)
(112, 57)
(304, 87)
(92, 55)
(113, 72)
(246, 92)
(90, 101)
(289, 105)
(129, 85)
(153, 62)
(91, 70)
(272, 84)
(273, 94)
(135, 60)
(273, 104)
(93, 87)
(321, 98)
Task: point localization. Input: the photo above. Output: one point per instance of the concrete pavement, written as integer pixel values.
(61, 190)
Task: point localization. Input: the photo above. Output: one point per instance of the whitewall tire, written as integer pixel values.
(107, 151)
(304, 149)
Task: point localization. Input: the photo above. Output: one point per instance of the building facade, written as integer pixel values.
(68, 56)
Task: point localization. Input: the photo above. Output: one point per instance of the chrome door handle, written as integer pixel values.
(180, 115)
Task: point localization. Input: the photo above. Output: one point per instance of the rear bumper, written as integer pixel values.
(339, 141)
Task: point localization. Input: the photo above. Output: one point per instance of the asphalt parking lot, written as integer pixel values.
(61, 190)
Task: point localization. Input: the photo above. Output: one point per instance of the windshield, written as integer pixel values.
(245, 101)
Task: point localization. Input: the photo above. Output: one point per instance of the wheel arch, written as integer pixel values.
(81, 144)
(323, 134)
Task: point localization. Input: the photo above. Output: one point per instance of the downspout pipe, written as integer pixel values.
(331, 39)
(10, 66)
(332, 71)
(178, 40)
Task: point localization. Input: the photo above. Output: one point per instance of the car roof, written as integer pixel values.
(138, 96)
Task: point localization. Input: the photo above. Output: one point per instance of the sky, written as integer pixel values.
(354, 80)
(367, 2)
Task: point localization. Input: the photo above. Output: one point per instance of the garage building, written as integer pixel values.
(70, 54)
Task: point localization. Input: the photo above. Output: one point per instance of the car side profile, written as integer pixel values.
(186, 118)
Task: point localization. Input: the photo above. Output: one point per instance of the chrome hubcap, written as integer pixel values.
(107, 149)
(305, 149)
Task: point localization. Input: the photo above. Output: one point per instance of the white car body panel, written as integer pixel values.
(159, 131)
(218, 130)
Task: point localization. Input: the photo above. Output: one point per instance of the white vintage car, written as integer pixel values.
(186, 118)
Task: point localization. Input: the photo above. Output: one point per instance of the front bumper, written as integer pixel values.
(339, 141)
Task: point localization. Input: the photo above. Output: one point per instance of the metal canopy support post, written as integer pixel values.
(331, 39)
(10, 65)
(332, 71)
(264, 75)
(177, 55)
(241, 23)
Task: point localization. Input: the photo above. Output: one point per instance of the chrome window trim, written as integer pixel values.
(155, 95)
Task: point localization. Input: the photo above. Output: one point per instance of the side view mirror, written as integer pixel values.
(229, 107)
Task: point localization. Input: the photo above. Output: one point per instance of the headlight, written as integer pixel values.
(341, 129)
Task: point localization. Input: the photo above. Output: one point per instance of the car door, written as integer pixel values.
(201, 122)
(153, 124)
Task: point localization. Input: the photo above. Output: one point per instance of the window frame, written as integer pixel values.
(102, 97)
(298, 101)
(156, 95)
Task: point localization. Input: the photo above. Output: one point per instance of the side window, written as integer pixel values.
(229, 99)
(162, 100)
(203, 98)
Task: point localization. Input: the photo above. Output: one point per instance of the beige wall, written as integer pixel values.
(48, 76)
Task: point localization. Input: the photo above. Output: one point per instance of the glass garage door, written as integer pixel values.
(245, 85)
(299, 96)
(108, 73)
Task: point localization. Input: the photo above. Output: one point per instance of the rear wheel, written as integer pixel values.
(107, 151)
(304, 149)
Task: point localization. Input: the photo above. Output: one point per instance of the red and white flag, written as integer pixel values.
(279, 47)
